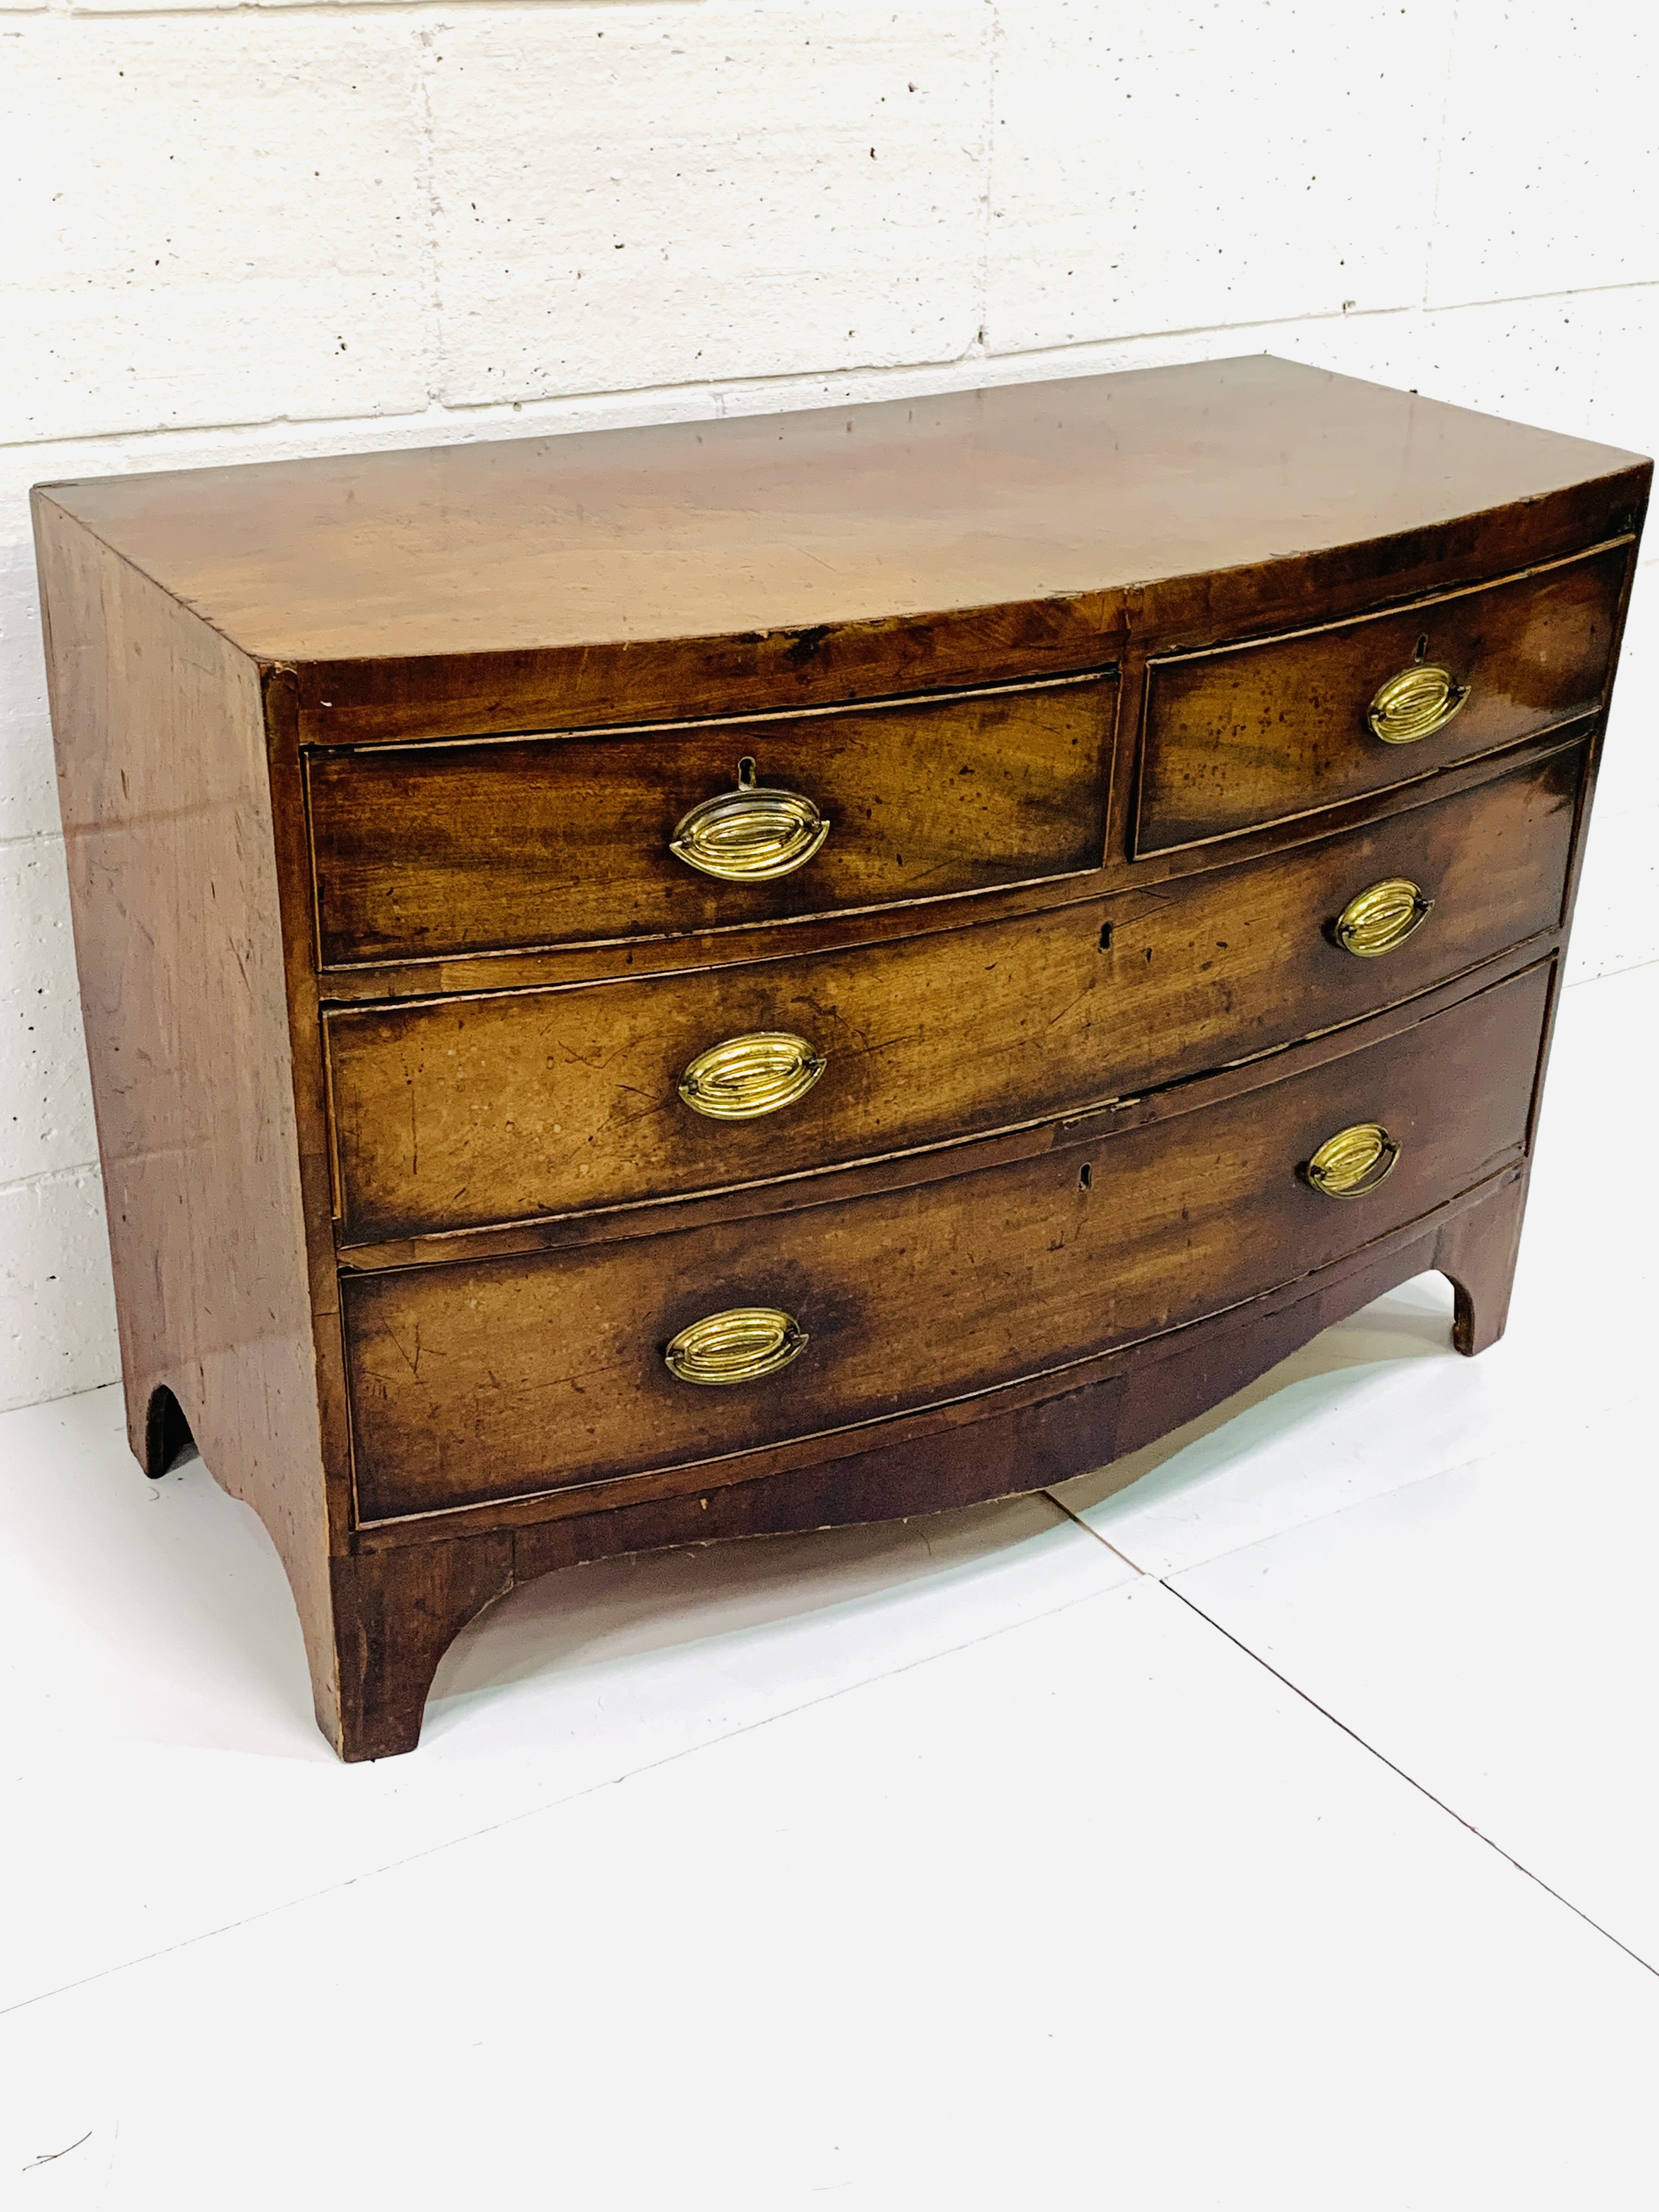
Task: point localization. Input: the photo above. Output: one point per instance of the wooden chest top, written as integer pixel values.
(1089, 487)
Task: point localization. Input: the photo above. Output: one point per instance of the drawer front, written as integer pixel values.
(461, 1112)
(1246, 737)
(511, 1376)
(435, 850)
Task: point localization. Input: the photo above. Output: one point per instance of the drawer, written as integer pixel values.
(1250, 735)
(431, 850)
(505, 1378)
(459, 1112)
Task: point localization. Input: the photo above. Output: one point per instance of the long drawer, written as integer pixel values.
(461, 1112)
(430, 850)
(1245, 736)
(510, 1376)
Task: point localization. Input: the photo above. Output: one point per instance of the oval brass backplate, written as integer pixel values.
(751, 834)
(1414, 704)
(1352, 1162)
(738, 1345)
(1382, 916)
(749, 1076)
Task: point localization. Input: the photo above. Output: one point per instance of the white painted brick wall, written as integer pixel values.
(249, 232)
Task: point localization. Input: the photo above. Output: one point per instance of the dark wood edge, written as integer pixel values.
(314, 902)
(396, 697)
(750, 944)
(1155, 661)
(1226, 837)
(1241, 606)
(1552, 1004)
(306, 1043)
(337, 1181)
(404, 697)
(621, 959)
(599, 1506)
(1586, 781)
(1592, 761)
(1083, 1124)
(945, 695)
(1042, 889)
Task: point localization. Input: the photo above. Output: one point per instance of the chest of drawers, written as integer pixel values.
(730, 978)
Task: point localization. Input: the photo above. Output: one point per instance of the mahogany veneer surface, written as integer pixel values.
(393, 974)
(1254, 733)
(505, 1374)
(443, 850)
(457, 1111)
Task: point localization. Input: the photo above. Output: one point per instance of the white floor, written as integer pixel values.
(1281, 1831)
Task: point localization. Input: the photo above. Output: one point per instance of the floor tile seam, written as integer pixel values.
(1411, 1780)
(1133, 1566)
(557, 1804)
(1273, 1535)
(1628, 967)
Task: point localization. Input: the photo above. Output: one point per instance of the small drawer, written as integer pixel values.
(508, 1377)
(433, 850)
(1247, 736)
(460, 1112)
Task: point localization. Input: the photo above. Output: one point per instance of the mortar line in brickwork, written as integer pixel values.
(44, 1178)
(431, 264)
(987, 208)
(875, 383)
(1432, 239)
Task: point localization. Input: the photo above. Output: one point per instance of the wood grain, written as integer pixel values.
(480, 974)
(441, 850)
(1251, 736)
(1091, 489)
(472, 1110)
(515, 1375)
(174, 897)
(398, 1613)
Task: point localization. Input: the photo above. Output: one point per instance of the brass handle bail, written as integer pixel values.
(1417, 702)
(1353, 1162)
(750, 835)
(738, 1345)
(749, 1076)
(1382, 916)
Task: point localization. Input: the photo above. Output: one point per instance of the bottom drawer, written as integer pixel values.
(503, 1378)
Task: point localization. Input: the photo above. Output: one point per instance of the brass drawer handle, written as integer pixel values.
(1352, 1162)
(1378, 919)
(750, 835)
(738, 1345)
(749, 1076)
(1417, 702)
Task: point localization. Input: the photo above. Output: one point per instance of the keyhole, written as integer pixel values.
(746, 773)
(1085, 1177)
(1106, 937)
(1421, 652)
